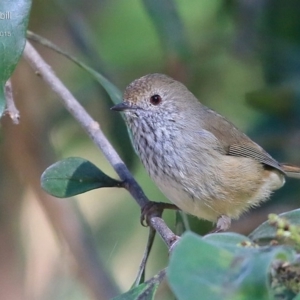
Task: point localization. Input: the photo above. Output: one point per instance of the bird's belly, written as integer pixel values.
(196, 206)
(210, 197)
(209, 207)
(205, 183)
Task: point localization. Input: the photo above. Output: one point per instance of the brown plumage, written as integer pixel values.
(200, 160)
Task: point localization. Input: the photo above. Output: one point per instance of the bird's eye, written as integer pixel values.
(155, 99)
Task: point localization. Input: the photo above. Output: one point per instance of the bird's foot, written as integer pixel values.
(223, 224)
(154, 209)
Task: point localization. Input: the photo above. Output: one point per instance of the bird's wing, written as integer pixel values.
(249, 150)
(291, 170)
(234, 142)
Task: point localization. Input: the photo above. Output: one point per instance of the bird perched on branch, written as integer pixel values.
(198, 159)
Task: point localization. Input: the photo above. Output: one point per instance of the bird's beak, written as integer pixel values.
(123, 106)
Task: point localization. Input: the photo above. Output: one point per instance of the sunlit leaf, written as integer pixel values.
(73, 176)
(13, 23)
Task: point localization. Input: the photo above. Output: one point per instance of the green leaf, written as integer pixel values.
(113, 92)
(254, 272)
(229, 240)
(196, 268)
(201, 270)
(13, 24)
(73, 176)
(145, 291)
(297, 297)
(169, 26)
(266, 231)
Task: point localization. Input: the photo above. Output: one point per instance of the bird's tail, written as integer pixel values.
(291, 170)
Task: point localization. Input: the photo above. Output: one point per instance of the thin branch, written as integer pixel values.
(141, 273)
(11, 109)
(93, 130)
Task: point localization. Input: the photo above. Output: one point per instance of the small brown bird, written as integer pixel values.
(198, 159)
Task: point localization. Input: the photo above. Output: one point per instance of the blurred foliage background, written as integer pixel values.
(241, 58)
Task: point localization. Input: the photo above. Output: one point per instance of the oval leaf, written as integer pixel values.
(196, 268)
(73, 176)
(266, 231)
(201, 270)
(229, 240)
(13, 23)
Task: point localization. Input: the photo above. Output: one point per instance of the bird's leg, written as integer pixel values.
(154, 208)
(223, 224)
